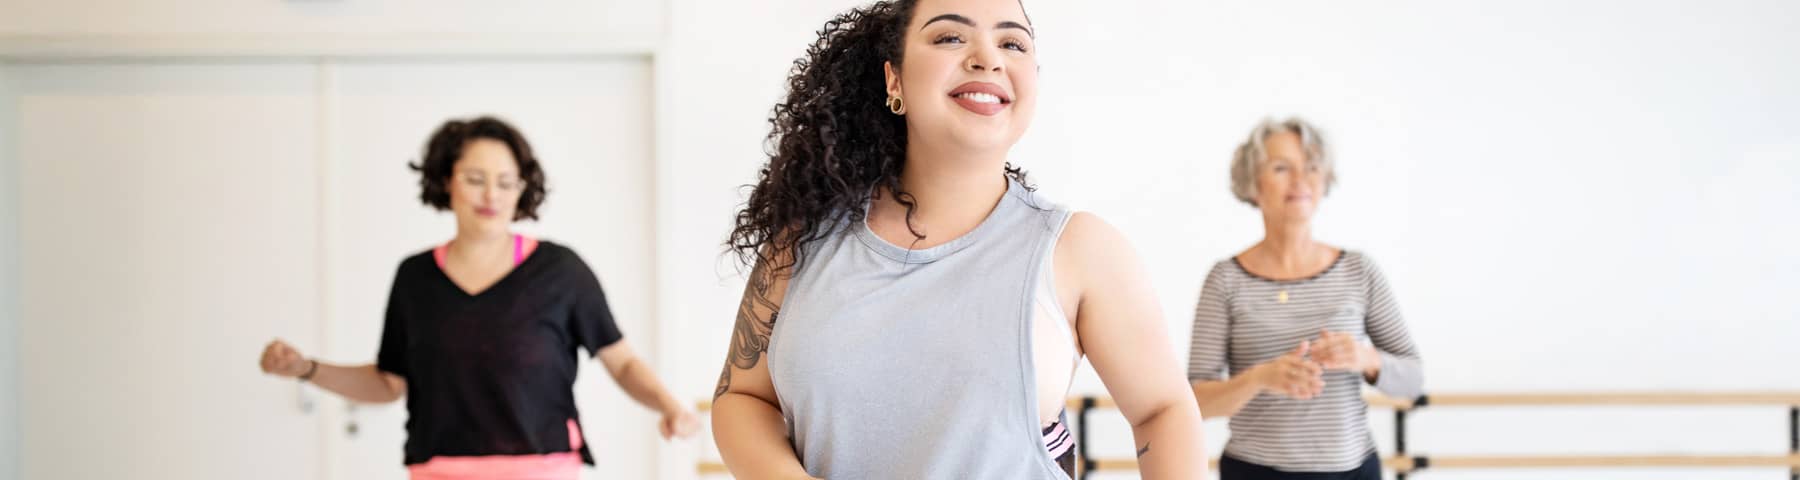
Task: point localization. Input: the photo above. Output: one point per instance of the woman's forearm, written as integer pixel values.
(1223, 398)
(752, 439)
(642, 385)
(1398, 376)
(359, 383)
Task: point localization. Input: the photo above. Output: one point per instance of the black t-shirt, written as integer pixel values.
(493, 373)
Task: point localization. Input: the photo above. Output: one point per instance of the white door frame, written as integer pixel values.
(9, 283)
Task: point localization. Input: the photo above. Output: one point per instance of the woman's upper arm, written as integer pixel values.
(1208, 345)
(1402, 374)
(1385, 327)
(746, 370)
(1119, 320)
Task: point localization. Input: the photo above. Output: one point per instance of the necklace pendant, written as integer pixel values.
(1281, 297)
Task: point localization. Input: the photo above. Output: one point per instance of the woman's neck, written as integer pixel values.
(950, 195)
(1289, 249)
(473, 243)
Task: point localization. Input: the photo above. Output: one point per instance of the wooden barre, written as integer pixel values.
(1075, 403)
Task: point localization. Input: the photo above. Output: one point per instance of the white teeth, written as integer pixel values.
(979, 97)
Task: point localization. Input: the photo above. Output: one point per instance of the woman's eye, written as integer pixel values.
(947, 38)
(1015, 46)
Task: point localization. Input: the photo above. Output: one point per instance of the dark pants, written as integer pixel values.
(1234, 469)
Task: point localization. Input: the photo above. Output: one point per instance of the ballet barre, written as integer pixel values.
(1403, 464)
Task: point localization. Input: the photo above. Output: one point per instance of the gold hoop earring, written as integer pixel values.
(897, 106)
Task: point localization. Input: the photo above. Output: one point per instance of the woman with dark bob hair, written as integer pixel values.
(482, 332)
(914, 308)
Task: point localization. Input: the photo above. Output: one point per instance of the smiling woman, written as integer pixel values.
(902, 253)
(1288, 332)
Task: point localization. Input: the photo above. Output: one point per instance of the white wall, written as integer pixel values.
(135, 221)
(1567, 197)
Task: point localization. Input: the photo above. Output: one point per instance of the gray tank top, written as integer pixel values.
(897, 363)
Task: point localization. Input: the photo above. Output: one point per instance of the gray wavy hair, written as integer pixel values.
(1253, 152)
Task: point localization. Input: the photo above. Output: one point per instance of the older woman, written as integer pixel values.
(1299, 325)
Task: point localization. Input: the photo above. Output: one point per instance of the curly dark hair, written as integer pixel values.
(832, 140)
(446, 147)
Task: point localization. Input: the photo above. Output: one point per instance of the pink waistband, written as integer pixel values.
(552, 466)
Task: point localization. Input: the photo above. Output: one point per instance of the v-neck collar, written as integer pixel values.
(513, 272)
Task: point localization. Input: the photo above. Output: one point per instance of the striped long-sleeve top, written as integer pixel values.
(1244, 320)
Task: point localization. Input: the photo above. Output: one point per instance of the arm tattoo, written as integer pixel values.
(1144, 450)
(750, 337)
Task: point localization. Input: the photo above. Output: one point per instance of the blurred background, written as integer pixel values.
(1580, 196)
